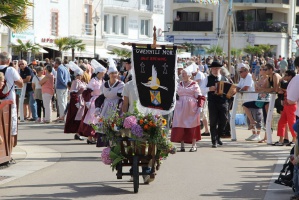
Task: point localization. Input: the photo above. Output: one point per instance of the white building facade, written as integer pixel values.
(254, 22)
(118, 21)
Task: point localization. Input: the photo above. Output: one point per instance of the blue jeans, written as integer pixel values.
(33, 105)
(296, 179)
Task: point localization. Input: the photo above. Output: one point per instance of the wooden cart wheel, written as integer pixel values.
(135, 174)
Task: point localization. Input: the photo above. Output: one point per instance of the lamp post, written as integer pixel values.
(95, 20)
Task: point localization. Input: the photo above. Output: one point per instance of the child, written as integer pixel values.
(295, 162)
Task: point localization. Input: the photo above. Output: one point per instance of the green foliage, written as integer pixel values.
(215, 50)
(152, 133)
(26, 47)
(189, 47)
(121, 53)
(236, 52)
(13, 15)
(73, 44)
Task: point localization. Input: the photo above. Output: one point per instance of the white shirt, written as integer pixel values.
(247, 81)
(199, 77)
(11, 75)
(293, 93)
(36, 80)
(131, 94)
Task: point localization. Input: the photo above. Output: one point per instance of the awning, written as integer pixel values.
(104, 53)
(184, 55)
(110, 47)
(41, 50)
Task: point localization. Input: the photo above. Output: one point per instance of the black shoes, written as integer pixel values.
(214, 145)
(77, 137)
(90, 141)
(205, 134)
(182, 150)
(219, 142)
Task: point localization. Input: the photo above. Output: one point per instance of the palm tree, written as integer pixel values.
(215, 50)
(237, 53)
(26, 47)
(74, 44)
(121, 53)
(61, 43)
(266, 48)
(13, 15)
(189, 47)
(253, 50)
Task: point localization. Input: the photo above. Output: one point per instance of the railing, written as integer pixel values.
(262, 26)
(242, 1)
(130, 4)
(268, 121)
(263, 1)
(192, 26)
(87, 29)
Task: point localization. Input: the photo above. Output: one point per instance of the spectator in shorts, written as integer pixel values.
(12, 78)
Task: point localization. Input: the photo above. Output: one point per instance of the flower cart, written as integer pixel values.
(135, 140)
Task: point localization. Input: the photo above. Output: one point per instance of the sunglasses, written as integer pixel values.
(265, 69)
(21, 63)
(241, 72)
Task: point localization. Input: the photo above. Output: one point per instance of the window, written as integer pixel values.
(123, 25)
(189, 16)
(106, 23)
(114, 24)
(206, 16)
(54, 23)
(144, 27)
(87, 19)
(146, 2)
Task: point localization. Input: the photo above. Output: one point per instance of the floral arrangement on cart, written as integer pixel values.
(141, 129)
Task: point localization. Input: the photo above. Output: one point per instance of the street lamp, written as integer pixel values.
(95, 20)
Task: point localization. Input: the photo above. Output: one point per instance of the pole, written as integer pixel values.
(229, 32)
(95, 34)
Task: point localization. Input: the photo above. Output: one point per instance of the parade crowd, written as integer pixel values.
(84, 92)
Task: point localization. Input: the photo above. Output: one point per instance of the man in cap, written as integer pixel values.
(217, 105)
(128, 75)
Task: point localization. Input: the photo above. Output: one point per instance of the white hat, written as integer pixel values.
(195, 67)
(97, 66)
(75, 68)
(112, 66)
(189, 70)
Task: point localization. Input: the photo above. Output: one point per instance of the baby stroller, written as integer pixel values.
(286, 174)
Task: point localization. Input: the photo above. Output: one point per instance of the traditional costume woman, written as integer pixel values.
(92, 92)
(110, 99)
(186, 120)
(76, 108)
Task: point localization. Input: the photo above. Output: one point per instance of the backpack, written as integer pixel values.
(4, 91)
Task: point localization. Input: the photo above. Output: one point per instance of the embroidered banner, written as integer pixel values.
(155, 78)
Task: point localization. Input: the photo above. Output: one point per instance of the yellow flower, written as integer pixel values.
(164, 122)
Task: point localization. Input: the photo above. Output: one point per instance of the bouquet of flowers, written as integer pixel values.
(138, 127)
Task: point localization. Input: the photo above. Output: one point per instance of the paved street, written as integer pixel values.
(51, 165)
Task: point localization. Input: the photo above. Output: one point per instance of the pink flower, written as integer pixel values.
(130, 121)
(106, 156)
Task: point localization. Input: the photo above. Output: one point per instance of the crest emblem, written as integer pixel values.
(155, 97)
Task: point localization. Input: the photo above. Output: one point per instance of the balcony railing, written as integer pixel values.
(262, 26)
(263, 1)
(87, 29)
(192, 26)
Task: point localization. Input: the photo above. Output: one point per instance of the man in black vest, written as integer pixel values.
(217, 105)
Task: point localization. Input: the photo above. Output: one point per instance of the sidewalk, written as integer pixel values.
(48, 162)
